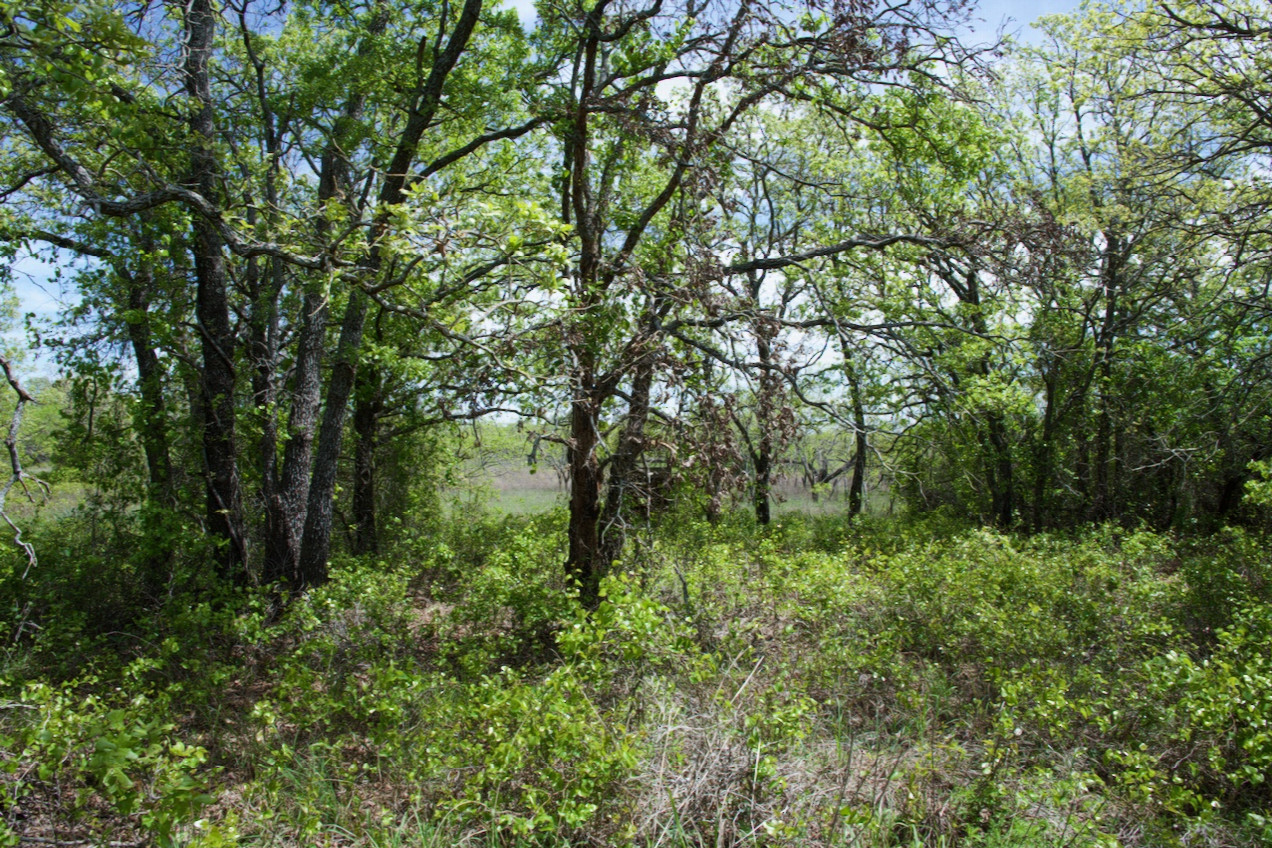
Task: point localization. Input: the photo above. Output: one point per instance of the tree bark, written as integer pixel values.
(152, 426)
(315, 544)
(861, 438)
(762, 458)
(1101, 508)
(623, 493)
(320, 508)
(583, 562)
(1003, 495)
(264, 285)
(1044, 453)
(224, 496)
(152, 418)
(282, 556)
(999, 469)
(290, 502)
(368, 406)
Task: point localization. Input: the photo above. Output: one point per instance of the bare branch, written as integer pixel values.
(18, 477)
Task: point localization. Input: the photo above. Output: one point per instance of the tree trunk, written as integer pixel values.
(857, 488)
(152, 418)
(368, 406)
(289, 506)
(1101, 502)
(315, 546)
(583, 562)
(763, 459)
(264, 286)
(762, 456)
(621, 484)
(861, 437)
(999, 470)
(1102, 497)
(224, 498)
(316, 543)
(1003, 494)
(265, 280)
(1044, 453)
(152, 426)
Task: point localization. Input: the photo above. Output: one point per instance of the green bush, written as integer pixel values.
(67, 751)
(1224, 711)
(809, 683)
(508, 603)
(545, 759)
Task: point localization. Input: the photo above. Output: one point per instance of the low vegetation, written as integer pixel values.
(817, 684)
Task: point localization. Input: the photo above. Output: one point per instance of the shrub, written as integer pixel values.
(64, 753)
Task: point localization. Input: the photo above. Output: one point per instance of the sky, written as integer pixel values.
(995, 12)
(37, 292)
(34, 288)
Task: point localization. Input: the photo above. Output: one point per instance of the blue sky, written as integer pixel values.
(34, 288)
(995, 12)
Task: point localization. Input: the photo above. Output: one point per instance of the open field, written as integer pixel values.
(513, 490)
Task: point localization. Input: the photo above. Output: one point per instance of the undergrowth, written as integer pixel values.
(812, 684)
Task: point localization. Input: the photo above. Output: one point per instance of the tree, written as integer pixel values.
(85, 91)
(653, 100)
(1210, 60)
(1113, 300)
(104, 137)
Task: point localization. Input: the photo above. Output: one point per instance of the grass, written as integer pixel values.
(61, 499)
(504, 485)
(506, 497)
(526, 501)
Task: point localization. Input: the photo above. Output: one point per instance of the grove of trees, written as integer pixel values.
(1032, 281)
(1016, 293)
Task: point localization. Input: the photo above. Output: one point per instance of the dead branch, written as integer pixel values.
(18, 477)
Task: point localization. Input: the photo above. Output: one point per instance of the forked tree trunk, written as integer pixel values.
(282, 557)
(283, 542)
(315, 546)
